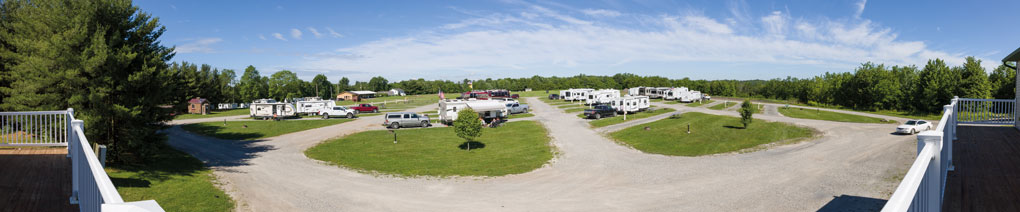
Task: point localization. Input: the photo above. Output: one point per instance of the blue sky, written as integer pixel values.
(495, 39)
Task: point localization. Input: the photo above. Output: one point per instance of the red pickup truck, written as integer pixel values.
(366, 108)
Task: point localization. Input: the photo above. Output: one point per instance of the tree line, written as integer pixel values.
(104, 59)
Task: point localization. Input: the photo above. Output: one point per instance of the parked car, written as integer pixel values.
(913, 126)
(554, 96)
(515, 96)
(406, 119)
(340, 111)
(599, 111)
(515, 108)
(366, 108)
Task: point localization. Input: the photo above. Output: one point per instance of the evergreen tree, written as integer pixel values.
(746, 112)
(251, 86)
(974, 80)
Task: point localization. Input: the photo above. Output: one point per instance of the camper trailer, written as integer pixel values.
(312, 105)
(691, 96)
(639, 91)
(576, 94)
(487, 109)
(675, 93)
(657, 93)
(631, 104)
(604, 96)
(274, 110)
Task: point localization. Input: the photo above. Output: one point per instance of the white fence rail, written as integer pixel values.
(923, 187)
(986, 111)
(36, 128)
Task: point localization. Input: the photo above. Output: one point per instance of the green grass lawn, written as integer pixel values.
(672, 102)
(657, 100)
(219, 113)
(699, 104)
(574, 110)
(535, 93)
(710, 134)
(630, 117)
(565, 106)
(412, 101)
(902, 114)
(234, 130)
(521, 115)
(802, 113)
(724, 105)
(176, 180)
(513, 148)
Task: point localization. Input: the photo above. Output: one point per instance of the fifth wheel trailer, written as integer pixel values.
(486, 109)
(603, 96)
(631, 104)
(275, 110)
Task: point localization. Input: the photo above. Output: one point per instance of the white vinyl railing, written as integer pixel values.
(924, 185)
(92, 189)
(986, 111)
(36, 128)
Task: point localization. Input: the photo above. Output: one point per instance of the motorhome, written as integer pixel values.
(486, 109)
(312, 105)
(631, 104)
(603, 96)
(275, 110)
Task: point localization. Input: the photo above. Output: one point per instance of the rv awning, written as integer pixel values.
(1015, 56)
(362, 92)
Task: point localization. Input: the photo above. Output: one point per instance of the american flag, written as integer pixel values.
(441, 96)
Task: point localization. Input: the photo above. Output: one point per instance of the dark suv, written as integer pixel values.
(554, 96)
(599, 111)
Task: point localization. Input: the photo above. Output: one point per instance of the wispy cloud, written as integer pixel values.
(295, 33)
(263, 37)
(600, 13)
(198, 46)
(860, 8)
(315, 32)
(333, 33)
(545, 39)
(279, 36)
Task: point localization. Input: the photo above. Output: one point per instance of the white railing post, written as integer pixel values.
(933, 177)
(951, 134)
(75, 154)
(67, 137)
(956, 104)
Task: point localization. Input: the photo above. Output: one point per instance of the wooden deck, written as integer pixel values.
(987, 175)
(35, 179)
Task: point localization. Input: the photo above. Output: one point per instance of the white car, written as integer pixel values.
(340, 111)
(913, 126)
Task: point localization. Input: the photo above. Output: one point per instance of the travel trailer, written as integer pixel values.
(275, 110)
(657, 93)
(691, 96)
(604, 96)
(487, 109)
(639, 91)
(576, 94)
(675, 93)
(312, 105)
(631, 104)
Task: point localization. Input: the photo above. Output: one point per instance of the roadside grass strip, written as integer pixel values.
(804, 113)
(570, 105)
(710, 134)
(213, 114)
(178, 181)
(724, 105)
(574, 110)
(630, 117)
(512, 148)
(236, 130)
(521, 115)
(699, 104)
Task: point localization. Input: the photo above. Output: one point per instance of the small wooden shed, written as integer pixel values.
(198, 106)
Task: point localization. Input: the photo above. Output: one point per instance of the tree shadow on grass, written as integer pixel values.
(216, 131)
(130, 182)
(853, 203)
(473, 145)
(734, 127)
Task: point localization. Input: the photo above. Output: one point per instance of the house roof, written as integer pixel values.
(362, 92)
(1015, 56)
(397, 89)
(197, 100)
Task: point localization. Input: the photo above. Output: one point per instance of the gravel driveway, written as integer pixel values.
(591, 173)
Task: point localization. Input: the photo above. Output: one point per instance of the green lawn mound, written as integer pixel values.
(710, 134)
(723, 105)
(213, 114)
(235, 130)
(176, 180)
(630, 117)
(803, 113)
(515, 147)
(699, 104)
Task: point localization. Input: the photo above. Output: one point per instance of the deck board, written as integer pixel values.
(987, 175)
(35, 179)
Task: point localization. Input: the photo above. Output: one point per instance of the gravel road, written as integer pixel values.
(591, 173)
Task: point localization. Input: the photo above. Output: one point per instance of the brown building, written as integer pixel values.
(198, 106)
(355, 95)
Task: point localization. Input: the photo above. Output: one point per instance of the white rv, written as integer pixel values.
(575, 94)
(631, 104)
(273, 110)
(603, 96)
(691, 96)
(675, 93)
(487, 109)
(311, 106)
(639, 91)
(657, 93)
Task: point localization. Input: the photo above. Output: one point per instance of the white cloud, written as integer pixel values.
(277, 35)
(860, 8)
(198, 46)
(600, 13)
(315, 32)
(295, 33)
(333, 33)
(546, 40)
(263, 37)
